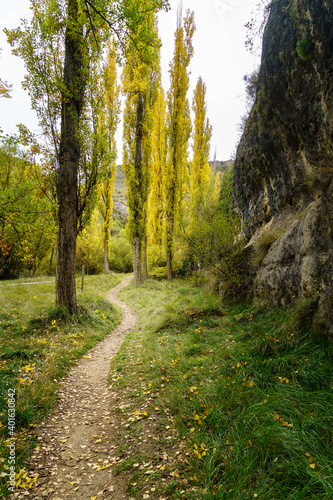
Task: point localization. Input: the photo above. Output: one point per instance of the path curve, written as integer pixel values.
(77, 434)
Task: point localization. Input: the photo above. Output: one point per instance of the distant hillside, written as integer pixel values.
(221, 166)
(120, 210)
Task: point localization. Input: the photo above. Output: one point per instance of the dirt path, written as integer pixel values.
(77, 449)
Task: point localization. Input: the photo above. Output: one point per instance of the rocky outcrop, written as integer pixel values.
(284, 166)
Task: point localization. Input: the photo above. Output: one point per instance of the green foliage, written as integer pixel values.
(120, 255)
(89, 250)
(214, 243)
(27, 226)
(304, 48)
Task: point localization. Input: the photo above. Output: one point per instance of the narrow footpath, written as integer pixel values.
(77, 449)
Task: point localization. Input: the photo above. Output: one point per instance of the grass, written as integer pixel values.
(228, 402)
(38, 344)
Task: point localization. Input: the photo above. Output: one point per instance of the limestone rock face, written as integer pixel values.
(283, 174)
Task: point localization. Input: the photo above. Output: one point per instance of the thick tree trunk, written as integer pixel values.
(136, 260)
(68, 162)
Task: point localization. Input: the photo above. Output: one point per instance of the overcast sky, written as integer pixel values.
(220, 58)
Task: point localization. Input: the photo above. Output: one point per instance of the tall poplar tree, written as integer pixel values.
(57, 48)
(139, 85)
(200, 170)
(179, 130)
(155, 202)
(110, 120)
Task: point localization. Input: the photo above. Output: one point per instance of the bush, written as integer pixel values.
(120, 256)
(303, 48)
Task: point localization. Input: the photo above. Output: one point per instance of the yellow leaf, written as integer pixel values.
(72, 482)
(313, 466)
(93, 498)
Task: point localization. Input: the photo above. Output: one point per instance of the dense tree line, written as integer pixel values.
(71, 51)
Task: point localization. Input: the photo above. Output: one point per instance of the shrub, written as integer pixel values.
(303, 48)
(120, 256)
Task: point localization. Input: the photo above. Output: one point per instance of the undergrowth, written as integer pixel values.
(248, 390)
(38, 344)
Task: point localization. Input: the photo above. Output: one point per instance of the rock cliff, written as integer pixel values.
(283, 174)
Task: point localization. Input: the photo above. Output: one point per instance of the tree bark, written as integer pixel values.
(68, 161)
(136, 260)
(144, 260)
(106, 256)
(169, 250)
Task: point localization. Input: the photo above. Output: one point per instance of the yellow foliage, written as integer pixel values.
(200, 169)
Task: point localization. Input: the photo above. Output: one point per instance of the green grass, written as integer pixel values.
(38, 344)
(248, 390)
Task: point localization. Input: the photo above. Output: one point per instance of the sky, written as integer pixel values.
(220, 58)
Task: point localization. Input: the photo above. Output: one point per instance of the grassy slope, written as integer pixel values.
(226, 403)
(38, 344)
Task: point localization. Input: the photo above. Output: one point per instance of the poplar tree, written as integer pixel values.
(200, 170)
(57, 48)
(155, 202)
(139, 82)
(179, 130)
(110, 120)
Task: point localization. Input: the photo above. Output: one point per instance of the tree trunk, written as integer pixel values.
(144, 260)
(51, 260)
(136, 260)
(68, 161)
(169, 250)
(106, 256)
